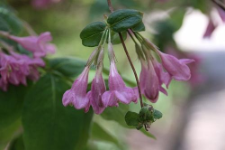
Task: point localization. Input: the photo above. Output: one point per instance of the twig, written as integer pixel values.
(129, 59)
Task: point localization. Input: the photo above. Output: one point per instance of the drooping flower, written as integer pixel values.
(196, 77)
(164, 77)
(38, 45)
(77, 95)
(97, 90)
(149, 82)
(177, 68)
(118, 92)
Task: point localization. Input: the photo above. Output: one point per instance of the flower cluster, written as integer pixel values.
(15, 68)
(153, 75)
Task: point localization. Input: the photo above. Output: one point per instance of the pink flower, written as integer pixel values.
(177, 68)
(77, 95)
(15, 68)
(209, 29)
(95, 95)
(117, 90)
(42, 4)
(149, 82)
(164, 77)
(37, 45)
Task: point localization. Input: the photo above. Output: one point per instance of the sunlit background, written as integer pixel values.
(193, 112)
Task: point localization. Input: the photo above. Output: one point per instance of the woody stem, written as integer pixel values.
(129, 59)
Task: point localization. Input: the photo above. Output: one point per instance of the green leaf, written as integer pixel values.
(157, 114)
(116, 114)
(123, 19)
(131, 119)
(48, 125)
(98, 133)
(17, 144)
(7, 133)
(9, 22)
(139, 27)
(69, 67)
(91, 35)
(11, 105)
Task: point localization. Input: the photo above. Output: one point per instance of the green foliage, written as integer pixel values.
(17, 144)
(46, 120)
(67, 67)
(100, 134)
(131, 118)
(11, 103)
(123, 19)
(9, 22)
(92, 33)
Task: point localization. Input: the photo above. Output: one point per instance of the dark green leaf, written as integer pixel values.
(17, 144)
(116, 114)
(9, 22)
(157, 114)
(69, 67)
(98, 133)
(11, 105)
(48, 125)
(131, 119)
(123, 19)
(92, 33)
(7, 133)
(139, 27)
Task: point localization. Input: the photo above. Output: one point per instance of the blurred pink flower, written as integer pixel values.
(42, 4)
(209, 29)
(118, 92)
(77, 95)
(15, 68)
(38, 45)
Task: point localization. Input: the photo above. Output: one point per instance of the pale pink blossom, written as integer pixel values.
(118, 92)
(177, 68)
(95, 95)
(77, 95)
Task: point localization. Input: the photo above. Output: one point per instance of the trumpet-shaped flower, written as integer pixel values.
(38, 45)
(118, 92)
(149, 82)
(95, 95)
(77, 95)
(177, 68)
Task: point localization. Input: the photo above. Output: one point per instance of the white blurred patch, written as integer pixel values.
(190, 36)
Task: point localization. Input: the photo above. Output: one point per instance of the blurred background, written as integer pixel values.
(193, 112)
